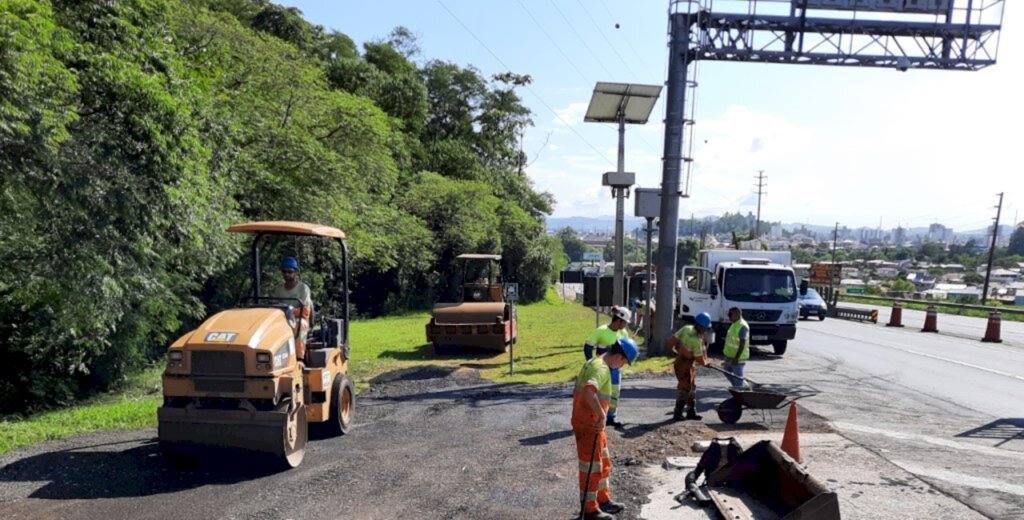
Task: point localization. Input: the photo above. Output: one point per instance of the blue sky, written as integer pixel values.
(857, 146)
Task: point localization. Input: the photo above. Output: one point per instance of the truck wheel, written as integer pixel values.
(821, 317)
(343, 401)
(780, 347)
(729, 411)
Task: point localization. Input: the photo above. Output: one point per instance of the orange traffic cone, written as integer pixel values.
(992, 331)
(896, 318)
(791, 439)
(931, 320)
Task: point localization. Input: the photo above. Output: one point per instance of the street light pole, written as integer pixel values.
(620, 103)
(620, 201)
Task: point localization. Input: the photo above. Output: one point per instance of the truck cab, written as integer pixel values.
(761, 283)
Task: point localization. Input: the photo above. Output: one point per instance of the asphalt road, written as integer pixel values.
(432, 444)
(967, 327)
(947, 409)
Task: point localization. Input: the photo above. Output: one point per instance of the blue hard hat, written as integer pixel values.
(289, 263)
(636, 302)
(629, 349)
(704, 320)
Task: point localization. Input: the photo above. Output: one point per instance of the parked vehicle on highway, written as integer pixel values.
(761, 283)
(811, 304)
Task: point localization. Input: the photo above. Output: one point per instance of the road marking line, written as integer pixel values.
(937, 441)
(960, 479)
(961, 363)
(878, 343)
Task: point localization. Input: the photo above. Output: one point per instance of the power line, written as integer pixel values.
(553, 42)
(572, 64)
(640, 57)
(760, 192)
(584, 42)
(609, 42)
(535, 94)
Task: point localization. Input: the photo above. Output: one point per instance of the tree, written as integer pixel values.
(901, 285)
(572, 245)
(933, 252)
(686, 254)
(1016, 246)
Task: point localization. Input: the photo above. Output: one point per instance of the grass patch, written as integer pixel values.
(550, 350)
(550, 347)
(940, 307)
(132, 405)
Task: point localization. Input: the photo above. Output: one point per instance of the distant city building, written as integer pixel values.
(939, 233)
(899, 236)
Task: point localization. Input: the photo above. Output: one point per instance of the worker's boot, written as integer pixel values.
(677, 413)
(598, 515)
(691, 415)
(612, 507)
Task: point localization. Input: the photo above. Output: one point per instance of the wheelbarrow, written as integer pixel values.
(758, 397)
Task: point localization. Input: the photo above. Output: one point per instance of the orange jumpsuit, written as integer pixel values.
(686, 374)
(591, 442)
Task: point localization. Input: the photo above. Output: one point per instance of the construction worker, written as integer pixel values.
(737, 346)
(643, 315)
(689, 344)
(599, 341)
(293, 289)
(591, 399)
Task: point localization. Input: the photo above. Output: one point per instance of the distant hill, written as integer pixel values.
(604, 224)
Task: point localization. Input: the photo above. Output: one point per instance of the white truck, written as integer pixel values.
(761, 283)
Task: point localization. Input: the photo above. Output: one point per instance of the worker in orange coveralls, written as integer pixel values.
(591, 399)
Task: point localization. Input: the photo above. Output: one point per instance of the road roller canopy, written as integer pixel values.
(476, 256)
(284, 227)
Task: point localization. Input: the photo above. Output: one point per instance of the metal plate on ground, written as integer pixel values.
(737, 505)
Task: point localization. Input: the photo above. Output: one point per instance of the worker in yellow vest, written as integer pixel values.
(737, 347)
(689, 346)
(600, 340)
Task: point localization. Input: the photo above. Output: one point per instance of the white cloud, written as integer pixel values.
(571, 115)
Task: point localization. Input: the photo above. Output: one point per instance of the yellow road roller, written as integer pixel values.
(484, 320)
(255, 378)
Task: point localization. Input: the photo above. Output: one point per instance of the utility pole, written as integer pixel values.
(760, 191)
(832, 268)
(992, 250)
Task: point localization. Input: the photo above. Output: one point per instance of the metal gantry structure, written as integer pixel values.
(898, 34)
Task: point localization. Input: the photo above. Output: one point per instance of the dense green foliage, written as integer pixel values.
(133, 132)
(1016, 246)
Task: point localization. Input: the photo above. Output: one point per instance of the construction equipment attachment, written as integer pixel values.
(763, 482)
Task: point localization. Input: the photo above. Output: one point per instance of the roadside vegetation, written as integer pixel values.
(132, 133)
(550, 350)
